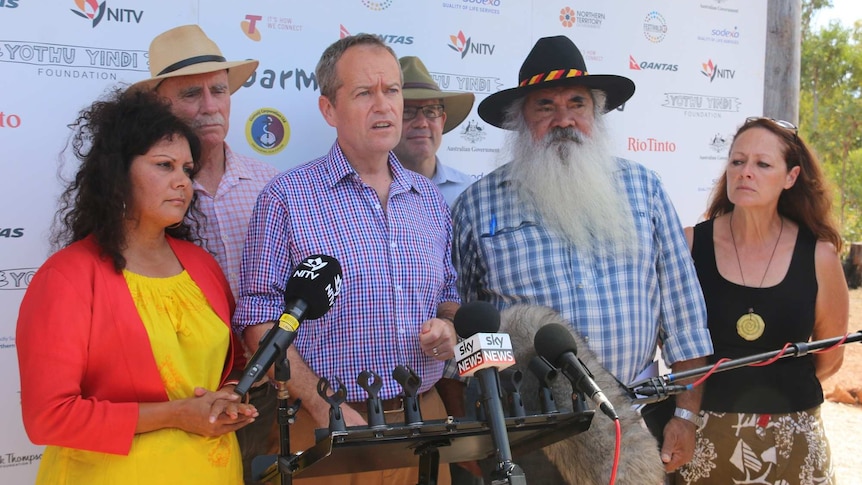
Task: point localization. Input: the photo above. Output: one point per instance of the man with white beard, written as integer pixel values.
(566, 225)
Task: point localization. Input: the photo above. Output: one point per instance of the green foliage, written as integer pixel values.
(831, 109)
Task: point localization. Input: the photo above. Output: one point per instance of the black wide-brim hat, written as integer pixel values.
(555, 62)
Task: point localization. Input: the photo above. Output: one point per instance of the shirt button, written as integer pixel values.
(393, 245)
(224, 238)
(401, 331)
(377, 206)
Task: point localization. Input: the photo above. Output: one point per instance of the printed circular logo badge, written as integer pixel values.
(377, 5)
(655, 27)
(267, 131)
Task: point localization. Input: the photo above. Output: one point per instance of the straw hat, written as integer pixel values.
(419, 85)
(185, 51)
(553, 62)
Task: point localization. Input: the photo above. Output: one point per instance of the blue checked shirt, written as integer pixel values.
(622, 306)
(396, 264)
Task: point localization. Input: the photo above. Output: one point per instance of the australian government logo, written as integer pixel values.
(718, 6)
(72, 61)
(472, 132)
(718, 145)
(267, 131)
(701, 105)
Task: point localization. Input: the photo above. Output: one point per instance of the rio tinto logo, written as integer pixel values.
(650, 145)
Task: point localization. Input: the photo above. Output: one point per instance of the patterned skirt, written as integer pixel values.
(744, 448)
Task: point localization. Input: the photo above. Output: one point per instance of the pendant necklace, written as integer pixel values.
(750, 326)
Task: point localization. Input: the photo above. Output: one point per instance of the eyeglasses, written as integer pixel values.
(783, 124)
(430, 111)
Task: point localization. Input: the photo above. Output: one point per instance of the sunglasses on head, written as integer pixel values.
(783, 124)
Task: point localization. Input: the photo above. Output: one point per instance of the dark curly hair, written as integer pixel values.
(108, 135)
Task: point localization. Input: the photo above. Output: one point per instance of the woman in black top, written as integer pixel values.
(767, 260)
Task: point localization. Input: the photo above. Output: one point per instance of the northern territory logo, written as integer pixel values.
(267, 131)
(90, 10)
(462, 44)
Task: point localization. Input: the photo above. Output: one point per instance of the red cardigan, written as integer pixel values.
(84, 355)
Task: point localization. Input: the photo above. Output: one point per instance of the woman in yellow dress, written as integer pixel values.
(133, 385)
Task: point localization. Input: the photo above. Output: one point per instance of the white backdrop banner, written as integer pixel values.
(698, 66)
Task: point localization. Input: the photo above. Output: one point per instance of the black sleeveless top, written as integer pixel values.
(788, 385)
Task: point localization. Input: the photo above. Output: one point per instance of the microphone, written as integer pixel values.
(310, 292)
(555, 343)
(482, 355)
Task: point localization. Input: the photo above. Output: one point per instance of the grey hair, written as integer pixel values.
(513, 115)
(327, 80)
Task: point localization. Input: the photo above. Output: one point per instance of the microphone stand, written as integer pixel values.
(286, 415)
(661, 387)
(506, 472)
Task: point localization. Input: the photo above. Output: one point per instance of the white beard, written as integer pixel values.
(569, 178)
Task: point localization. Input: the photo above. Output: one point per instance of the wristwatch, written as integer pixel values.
(689, 416)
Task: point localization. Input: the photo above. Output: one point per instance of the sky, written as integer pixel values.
(846, 11)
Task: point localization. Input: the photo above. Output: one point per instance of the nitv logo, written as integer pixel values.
(464, 45)
(712, 71)
(95, 11)
(90, 9)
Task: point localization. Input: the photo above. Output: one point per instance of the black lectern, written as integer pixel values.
(361, 449)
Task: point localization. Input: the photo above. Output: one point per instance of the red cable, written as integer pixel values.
(774, 359)
(616, 451)
(837, 344)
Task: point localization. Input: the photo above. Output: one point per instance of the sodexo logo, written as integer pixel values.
(465, 45)
(267, 131)
(722, 35)
(655, 27)
(651, 66)
(95, 11)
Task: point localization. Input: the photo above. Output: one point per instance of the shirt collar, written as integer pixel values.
(404, 180)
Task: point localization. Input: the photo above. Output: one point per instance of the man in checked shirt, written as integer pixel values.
(391, 231)
(566, 225)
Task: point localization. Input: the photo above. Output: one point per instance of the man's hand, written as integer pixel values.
(678, 447)
(437, 338)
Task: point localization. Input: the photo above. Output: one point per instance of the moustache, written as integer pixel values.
(557, 135)
(208, 120)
